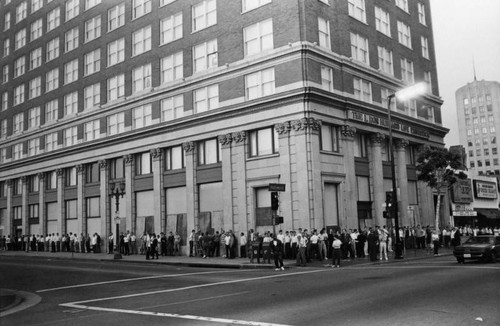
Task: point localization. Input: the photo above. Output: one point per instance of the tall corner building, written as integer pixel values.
(478, 112)
(189, 109)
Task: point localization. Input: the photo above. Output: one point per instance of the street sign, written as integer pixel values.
(464, 213)
(276, 187)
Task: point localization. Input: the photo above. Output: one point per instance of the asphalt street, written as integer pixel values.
(430, 291)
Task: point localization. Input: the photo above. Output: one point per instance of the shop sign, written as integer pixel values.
(485, 189)
(462, 192)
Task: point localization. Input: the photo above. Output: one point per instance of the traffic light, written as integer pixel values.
(388, 198)
(275, 200)
(278, 220)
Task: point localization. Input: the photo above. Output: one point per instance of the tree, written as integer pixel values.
(439, 167)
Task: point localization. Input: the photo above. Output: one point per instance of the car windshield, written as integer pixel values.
(485, 240)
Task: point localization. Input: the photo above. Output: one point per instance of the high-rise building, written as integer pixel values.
(192, 108)
(478, 112)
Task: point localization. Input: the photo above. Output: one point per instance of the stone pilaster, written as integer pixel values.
(60, 201)
(238, 163)
(25, 208)
(402, 181)
(42, 218)
(227, 180)
(291, 220)
(80, 206)
(128, 198)
(191, 185)
(160, 221)
(105, 202)
(350, 207)
(377, 177)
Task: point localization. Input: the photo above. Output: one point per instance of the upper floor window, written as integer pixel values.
(20, 39)
(6, 21)
(116, 17)
(71, 104)
(6, 47)
(403, 4)
(52, 49)
(71, 72)
(91, 96)
(117, 168)
(204, 14)
(141, 116)
(421, 13)
(385, 60)
(70, 176)
(425, 47)
(141, 40)
(18, 123)
(52, 80)
(357, 9)
(70, 136)
(92, 173)
(263, 142)
(324, 33)
(17, 151)
(19, 66)
(141, 78)
(34, 147)
(51, 142)
(19, 95)
(140, 8)
(428, 80)
(362, 90)
(205, 55)
(21, 11)
(329, 138)
(93, 28)
(143, 163)
(92, 130)
(116, 51)
(209, 152)
(327, 78)
(34, 117)
(91, 3)
(359, 48)
(407, 74)
(206, 98)
(360, 145)
(35, 58)
(172, 108)
(35, 5)
(174, 158)
(51, 111)
(53, 19)
(116, 123)
(92, 62)
(72, 9)
(116, 87)
(5, 74)
(51, 180)
(382, 21)
(259, 84)
(171, 67)
(165, 2)
(404, 34)
(71, 39)
(36, 29)
(258, 37)
(252, 4)
(171, 28)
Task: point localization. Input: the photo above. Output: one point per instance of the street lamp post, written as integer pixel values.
(117, 192)
(405, 93)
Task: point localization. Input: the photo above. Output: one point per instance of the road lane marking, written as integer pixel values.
(195, 300)
(127, 280)
(190, 317)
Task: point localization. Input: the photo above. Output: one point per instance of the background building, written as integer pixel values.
(195, 106)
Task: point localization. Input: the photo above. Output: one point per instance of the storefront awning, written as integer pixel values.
(491, 213)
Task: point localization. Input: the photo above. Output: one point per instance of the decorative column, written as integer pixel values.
(377, 176)
(9, 226)
(307, 184)
(238, 165)
(60, 201)
(42, 218)
(105, 201)
(80, 207)
(227, 181)
(25, 208)
(158, 191)
(129, 198)
(350, 217)
(402, 175)
(291, 221)
(191, 188)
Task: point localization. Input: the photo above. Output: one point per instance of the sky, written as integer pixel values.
(466, 34)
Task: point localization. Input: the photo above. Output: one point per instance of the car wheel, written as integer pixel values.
(493, 257)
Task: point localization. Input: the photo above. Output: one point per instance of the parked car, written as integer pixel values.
(484, 247)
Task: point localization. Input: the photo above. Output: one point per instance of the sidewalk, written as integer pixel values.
(217, 262)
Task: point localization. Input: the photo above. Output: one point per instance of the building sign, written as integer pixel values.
(382, 122)
(463, 210)
(462, 192)
(485, 189)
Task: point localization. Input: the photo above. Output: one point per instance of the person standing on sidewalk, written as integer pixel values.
(302, 244)
(243, 245)
(435, 242)
(276, 248)
(336, 253)
(383, 237)
(111, 243)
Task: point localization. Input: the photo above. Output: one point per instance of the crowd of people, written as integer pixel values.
(300, 245)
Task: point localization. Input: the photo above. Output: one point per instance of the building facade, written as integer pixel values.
(195, 106)
(478, 112)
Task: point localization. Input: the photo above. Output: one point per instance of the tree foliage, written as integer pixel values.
(437, 166)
